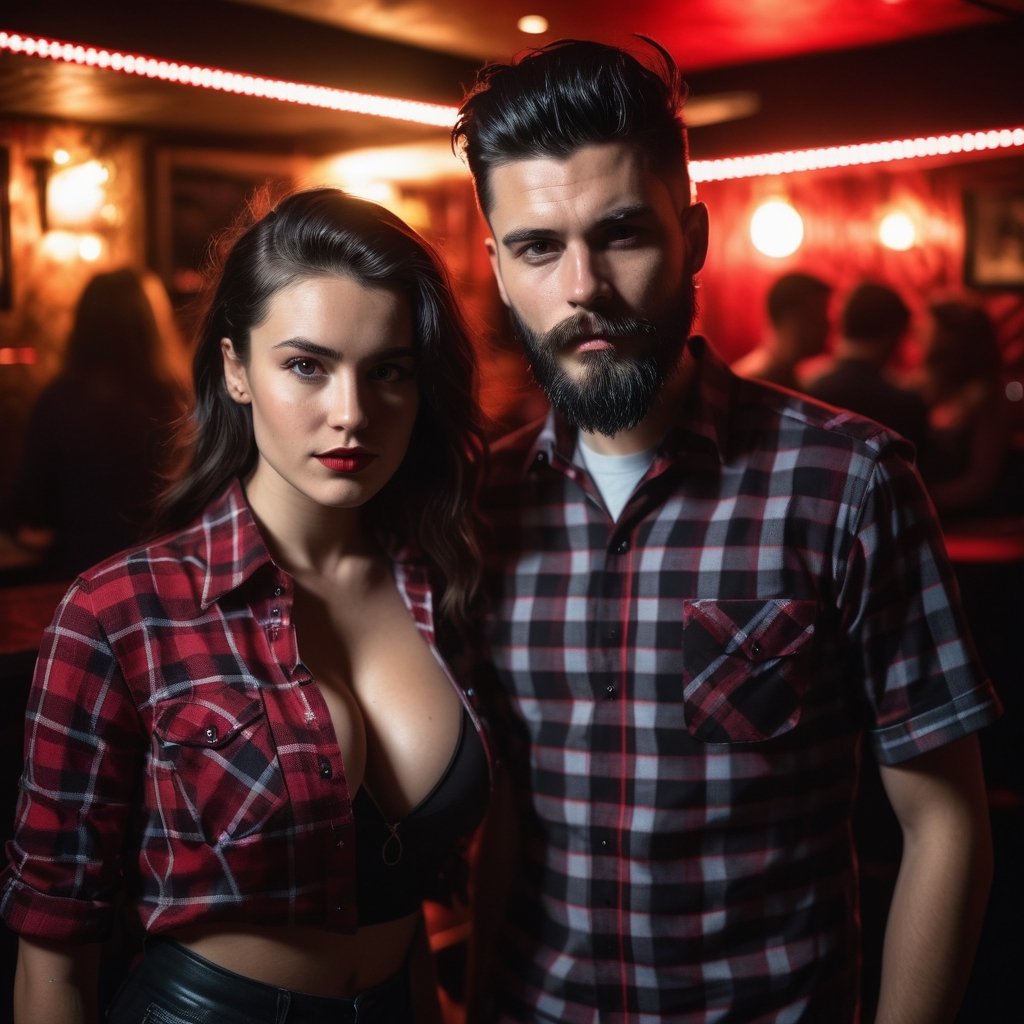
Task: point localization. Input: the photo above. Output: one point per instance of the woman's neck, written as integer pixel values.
(305, 537)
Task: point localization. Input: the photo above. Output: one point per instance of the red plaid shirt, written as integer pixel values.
(687, 691)
(176, 745)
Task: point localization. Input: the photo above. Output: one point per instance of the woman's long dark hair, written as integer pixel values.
(430, 500)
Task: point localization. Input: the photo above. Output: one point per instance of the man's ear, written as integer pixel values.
(236, 380)
(694, 220)
(492, 255)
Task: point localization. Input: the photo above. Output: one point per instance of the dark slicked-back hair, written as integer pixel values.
(573, 93)
(326, 233)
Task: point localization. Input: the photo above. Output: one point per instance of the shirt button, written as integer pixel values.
(275, 612)
(325, 768)
(471, 692)
(278, 591)
(541, 458)
(211, 733)
(609, 692)
(755, 649)
(603, 844)
(622, 547)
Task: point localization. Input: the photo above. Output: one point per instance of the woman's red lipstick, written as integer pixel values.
(346, 460)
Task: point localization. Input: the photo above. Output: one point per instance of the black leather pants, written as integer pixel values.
(173, 985)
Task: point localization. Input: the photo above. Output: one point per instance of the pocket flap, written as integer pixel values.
(207, 723)
(759, 630)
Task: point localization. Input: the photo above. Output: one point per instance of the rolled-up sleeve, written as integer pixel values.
(83, 745)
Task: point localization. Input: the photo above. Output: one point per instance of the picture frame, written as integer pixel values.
(994, 238)
(197, 194)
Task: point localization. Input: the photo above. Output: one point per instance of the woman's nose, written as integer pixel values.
(347, 410)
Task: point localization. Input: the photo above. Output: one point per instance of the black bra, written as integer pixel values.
(396, 863)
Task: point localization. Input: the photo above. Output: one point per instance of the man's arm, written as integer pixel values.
(56, 982)
(941, 892)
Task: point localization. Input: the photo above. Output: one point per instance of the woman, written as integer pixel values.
(101, 428)
(247, 727)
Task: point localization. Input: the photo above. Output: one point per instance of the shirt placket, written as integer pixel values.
(310, 760)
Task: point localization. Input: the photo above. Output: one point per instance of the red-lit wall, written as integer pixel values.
(841, 211)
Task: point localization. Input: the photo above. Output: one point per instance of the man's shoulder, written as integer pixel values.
(790, 420)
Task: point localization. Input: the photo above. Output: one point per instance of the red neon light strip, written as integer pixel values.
(230, 81)
(759, 165)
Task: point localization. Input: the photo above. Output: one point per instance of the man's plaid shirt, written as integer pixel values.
(688, 689)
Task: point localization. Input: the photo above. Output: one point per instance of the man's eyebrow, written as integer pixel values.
(615, 216)
(527, 235)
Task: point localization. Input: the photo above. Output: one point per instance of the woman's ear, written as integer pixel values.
(236, 380)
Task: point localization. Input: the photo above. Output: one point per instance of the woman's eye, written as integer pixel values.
(389, 373)
(303, 367)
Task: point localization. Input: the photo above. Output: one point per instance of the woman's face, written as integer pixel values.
(331, 378)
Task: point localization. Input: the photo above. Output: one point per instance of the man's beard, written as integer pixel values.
(614, 391)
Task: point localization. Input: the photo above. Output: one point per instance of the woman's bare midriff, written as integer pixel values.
(306, 960)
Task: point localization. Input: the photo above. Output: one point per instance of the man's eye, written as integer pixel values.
(622, 233)
(537, 249)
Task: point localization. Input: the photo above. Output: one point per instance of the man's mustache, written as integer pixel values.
(581, 326)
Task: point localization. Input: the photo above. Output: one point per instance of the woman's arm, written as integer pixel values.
(56, 981)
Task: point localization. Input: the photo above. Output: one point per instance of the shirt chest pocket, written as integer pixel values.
(745, 667)
(217, 773)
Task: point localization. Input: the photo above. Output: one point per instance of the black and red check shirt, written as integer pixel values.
(176, 745)
(688, 689)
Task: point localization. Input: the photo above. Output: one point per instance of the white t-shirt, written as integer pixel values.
(616, 476)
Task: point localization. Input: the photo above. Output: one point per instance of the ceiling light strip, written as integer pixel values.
(229, 81)
(791, 162)
(731, 168)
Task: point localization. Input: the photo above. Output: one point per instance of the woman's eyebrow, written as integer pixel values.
(309, 347)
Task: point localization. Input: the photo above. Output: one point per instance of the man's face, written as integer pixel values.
(595, 255)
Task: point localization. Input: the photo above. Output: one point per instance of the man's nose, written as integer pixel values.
(587, 281)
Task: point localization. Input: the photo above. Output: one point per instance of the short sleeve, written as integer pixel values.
(902, 613)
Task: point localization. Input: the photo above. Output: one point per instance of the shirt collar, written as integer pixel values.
(232, 544)
(703, 418)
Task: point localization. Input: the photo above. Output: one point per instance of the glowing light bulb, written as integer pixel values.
(533, 24)
(897, 231)
(776, 229)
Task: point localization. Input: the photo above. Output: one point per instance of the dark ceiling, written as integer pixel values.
(817, 71)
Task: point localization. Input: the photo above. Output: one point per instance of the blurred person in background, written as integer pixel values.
(873, 322)
(98, 437)
(966, 455)
(797, 328)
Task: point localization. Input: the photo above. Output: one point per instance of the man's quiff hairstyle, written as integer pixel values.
(552, 101)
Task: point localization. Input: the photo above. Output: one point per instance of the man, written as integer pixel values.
(704, 592)
(873, 322)
(797, 329)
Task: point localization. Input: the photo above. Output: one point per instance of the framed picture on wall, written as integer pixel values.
(994, 242)
(196, 195)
